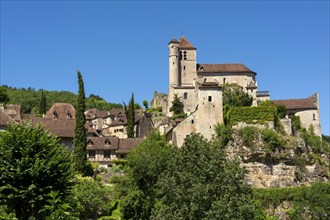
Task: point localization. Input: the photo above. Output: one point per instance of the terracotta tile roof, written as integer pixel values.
(5, 118)
(223, 68)
(26, 117)
(295, 104)
(14, 111)
(62, 110)
(96, 113)
(102, 143)
(117, 112)
(209, 84)
(185, 44)
(61, 127)
(126, 145)
(174, 40)
(118, 121)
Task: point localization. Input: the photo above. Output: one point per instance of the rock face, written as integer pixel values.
(294, 165)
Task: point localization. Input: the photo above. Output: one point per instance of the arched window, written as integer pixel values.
(185, 95)
(185, 55)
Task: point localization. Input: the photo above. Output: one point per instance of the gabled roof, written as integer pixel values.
(126, 145)
(102, 143)
(61, 127)
(5, 118)
(117, 112)
(96, 113)
(223, 68)
(174, 40)
(297, 104)
(185, 44)
(62, 110)
(14, 111)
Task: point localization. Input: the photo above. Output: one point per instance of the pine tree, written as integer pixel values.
(80, 137)
(177, 105)
(42, 103)
(130, 117)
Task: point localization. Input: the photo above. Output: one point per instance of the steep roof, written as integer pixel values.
(117, 112)
(96, 113)
(126, 145)
(61, 127)
(185, 44)
(14, 111)
(104, 143)
(62, 110)
(174, 40)
(297, 104)
(223, 68)
(5, 118)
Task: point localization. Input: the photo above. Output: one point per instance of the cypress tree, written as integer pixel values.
(42, 103)
(130, 117)
(80, 136)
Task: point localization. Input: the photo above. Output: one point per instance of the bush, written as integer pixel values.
(223, 134)
(272, 140)
(250, 135)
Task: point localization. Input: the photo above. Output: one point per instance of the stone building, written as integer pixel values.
(200, 88)
(307, 109)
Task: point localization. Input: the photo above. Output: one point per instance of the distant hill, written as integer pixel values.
(29, 99)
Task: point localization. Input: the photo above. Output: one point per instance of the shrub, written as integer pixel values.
(251, 115)
(296, 124)
(249, 135)
(272, 139)
(223, 134)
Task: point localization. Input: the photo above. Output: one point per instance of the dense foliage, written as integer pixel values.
(42, 103)
(4, 98)
(33, 165)
(80, 162)
(307, 202)
(234, 96)
(251, 115)
(201, 183)
(29, 99)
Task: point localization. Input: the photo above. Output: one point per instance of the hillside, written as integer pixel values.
(29, 99)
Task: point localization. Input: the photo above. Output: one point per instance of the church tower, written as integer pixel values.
(182, 73)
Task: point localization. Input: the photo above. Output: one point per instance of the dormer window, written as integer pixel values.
(90, 142)
(69, 115)
(107, 142)
(55, 115)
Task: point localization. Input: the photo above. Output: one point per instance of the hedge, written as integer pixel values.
(251, 115)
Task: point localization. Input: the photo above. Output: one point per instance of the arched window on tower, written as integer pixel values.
(185, 95)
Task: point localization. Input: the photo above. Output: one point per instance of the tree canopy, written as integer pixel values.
(4, 98)
(33, 164)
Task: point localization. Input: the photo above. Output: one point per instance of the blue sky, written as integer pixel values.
(121, 47)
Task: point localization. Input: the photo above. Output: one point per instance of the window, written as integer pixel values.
(184, 67)
(69, 115)
(185, 55)
(210, 98)
(55, 115)
(91, 154)
(192, 121)
(314, 118)
(185, 95)
(107, 142)
(106, 153)
(180, 55)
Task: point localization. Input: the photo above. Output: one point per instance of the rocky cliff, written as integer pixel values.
(294, 163)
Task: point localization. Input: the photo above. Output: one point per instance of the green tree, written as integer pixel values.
(91, 199)
(81, 164)
(130, 116)
(145, 164)
(4, 98)
(33, 164)
(145, 104)
(234, 96)
(201, 183)
(177, 106)
(42, 103)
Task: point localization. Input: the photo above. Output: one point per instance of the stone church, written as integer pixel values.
(199, 87)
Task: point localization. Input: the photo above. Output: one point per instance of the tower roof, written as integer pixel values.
(185, 44)
(174, 40)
